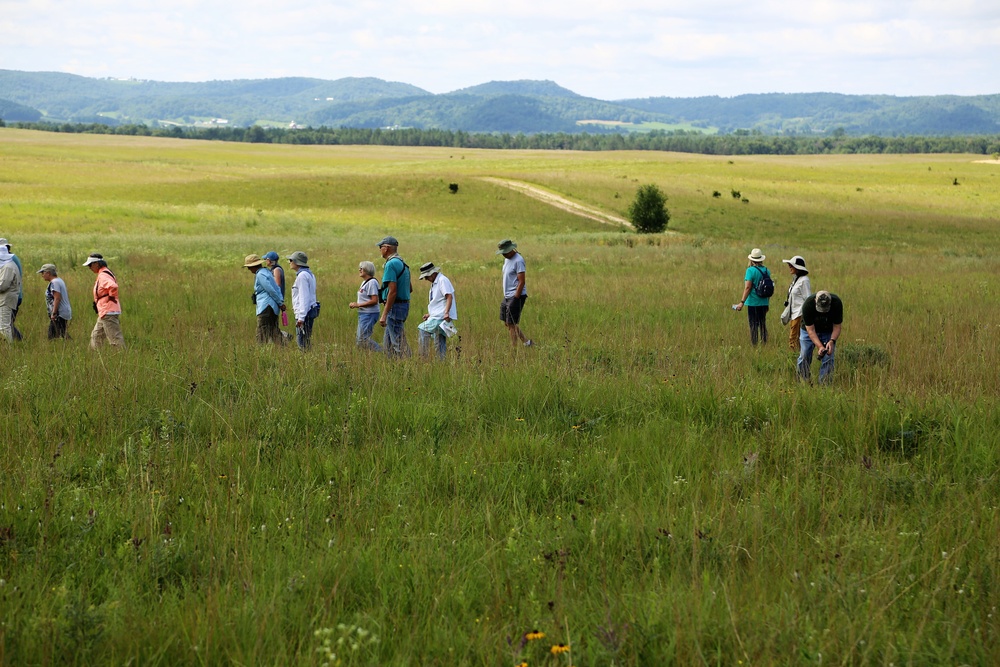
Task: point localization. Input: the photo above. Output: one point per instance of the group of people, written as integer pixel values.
(385, 303)
(107, 329)
(814, 320)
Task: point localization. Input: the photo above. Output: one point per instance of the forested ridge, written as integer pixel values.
(525, 106)
(742, 143)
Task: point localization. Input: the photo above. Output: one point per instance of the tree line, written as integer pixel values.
(740, 142)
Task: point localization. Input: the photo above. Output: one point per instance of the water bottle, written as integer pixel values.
(284, 318)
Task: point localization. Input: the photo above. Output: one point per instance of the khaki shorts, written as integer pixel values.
(107, 329)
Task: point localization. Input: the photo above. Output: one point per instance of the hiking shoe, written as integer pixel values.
(528, 343)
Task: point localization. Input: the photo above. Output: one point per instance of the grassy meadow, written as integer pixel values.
(640, 488)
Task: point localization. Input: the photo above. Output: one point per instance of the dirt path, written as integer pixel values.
(560, 202)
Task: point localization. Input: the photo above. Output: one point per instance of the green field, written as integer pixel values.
(642, 487)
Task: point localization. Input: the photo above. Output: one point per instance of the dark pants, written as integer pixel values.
(57, 328)
(757, 316)
(13, 317)
(303, 334)
(267, 327)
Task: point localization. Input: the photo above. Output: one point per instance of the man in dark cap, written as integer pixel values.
(395, 294)
(822, 316)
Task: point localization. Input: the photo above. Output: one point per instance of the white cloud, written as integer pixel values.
(600, 48)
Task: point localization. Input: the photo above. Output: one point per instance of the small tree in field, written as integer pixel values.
(648, 211)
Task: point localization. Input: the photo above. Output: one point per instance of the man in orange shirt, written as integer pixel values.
(109, 309)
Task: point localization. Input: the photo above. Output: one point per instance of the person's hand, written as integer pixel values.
(381, 321)
(299, 323)
(353, 304)
(447, 318)
(739, 306)
(829, 347)
(426, 315)
(282, 306)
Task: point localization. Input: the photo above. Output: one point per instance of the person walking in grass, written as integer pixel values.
(367, 307)
(441, 311)
(20, 292)
(304, 303)
(56, 302)
(395, 294)
(515, 291)
(10, 285)
(273, 262)
(798, 292)
(268, 300)
(755, 295)
(822, 317)
(108, 328)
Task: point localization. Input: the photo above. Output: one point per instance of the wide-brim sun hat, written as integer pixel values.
(506, 246)
(299, 258)
(756, 255)
(427, 270)
(797, 262)
(253, 260)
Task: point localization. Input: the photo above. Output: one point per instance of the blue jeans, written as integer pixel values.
(394, 341)
(806, 347)
(366, 324)
(303, 334)
(439, 339)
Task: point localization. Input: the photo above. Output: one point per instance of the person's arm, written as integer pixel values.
(390, 299)
(110, 287)
(56, 300)
(449, 298)
(520, 286)
(814, 337)
(746, 293)
(833, 338)
(272, 290)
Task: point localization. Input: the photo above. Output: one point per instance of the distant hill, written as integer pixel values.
(13, 111)
(806, 113)
(522, 87)
(524, 106)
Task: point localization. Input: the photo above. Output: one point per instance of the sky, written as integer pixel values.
(608, 49)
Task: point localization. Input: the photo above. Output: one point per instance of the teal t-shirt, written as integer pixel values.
(753, 274)
(396, 272)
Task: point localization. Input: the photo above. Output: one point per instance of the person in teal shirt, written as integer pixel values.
(267, 297)
(756, 306)
(395, 294)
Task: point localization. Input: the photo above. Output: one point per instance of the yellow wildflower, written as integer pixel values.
(534, 634)
(559, 648)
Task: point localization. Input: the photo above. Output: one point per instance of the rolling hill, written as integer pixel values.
(525, 106)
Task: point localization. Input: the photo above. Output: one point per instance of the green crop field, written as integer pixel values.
(640, 488)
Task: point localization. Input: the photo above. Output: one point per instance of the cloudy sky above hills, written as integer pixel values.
(600, 48)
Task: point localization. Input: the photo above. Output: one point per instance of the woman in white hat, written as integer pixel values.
(757, 289)
(798, 292)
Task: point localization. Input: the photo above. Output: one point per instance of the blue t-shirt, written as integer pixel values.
(397, 272)
(753, 274)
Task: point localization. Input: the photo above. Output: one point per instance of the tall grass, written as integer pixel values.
(642, 486)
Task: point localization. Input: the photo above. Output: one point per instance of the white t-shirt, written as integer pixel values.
(512, 267)
(441, 288)
(57, 285)
(368, 289)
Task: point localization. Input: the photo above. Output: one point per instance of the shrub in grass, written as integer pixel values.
(648, 211)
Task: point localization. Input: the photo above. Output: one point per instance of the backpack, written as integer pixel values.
(764, 288)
